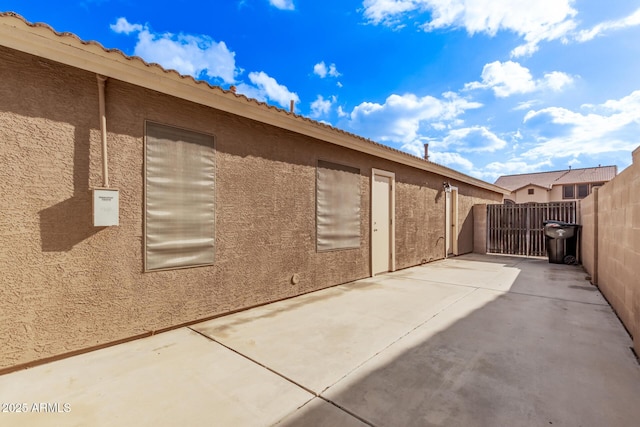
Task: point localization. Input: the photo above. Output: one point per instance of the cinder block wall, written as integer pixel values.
(67, 286)
(611, 243)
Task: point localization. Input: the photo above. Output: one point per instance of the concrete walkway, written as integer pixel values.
(469, 341)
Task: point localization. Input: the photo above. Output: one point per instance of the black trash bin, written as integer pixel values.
(562, 241)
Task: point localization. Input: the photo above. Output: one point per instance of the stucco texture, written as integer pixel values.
(611, 244)
(67, 286)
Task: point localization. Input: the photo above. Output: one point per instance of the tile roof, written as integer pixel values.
(597, 174)
(549, 179)
(100, 56)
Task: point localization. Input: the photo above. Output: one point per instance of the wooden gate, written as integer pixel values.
(517, 229)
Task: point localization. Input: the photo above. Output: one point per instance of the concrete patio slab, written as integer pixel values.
(317, 339)
(320, 413)
(474, 340)
(501, 359)
(498, 276)
(178, 378)
(529, 276)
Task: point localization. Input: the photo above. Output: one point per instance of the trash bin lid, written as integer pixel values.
(556, 223)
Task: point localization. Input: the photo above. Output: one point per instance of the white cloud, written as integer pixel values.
(452, 160)
(187, 54)
(556, 80)
(122, 26)
(526, 105)
(388, 11)
(473, 139)
(541, 20)
(509, 78)
(620, 24)
(266, 87)
(321, 106)
(400, 118)
(513, 166)
(321, 70)
(612, 126)
(282, 4)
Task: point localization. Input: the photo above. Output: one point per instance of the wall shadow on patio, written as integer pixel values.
(545, 353)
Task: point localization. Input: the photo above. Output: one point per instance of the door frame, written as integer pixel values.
(392, 218)
(453, 230)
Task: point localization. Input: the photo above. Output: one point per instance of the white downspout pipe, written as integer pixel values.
(103, 130)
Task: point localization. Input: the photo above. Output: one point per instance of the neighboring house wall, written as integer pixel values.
(557, 192)
(540, 195)
(611, 244)
(68, 286)
(555, 195)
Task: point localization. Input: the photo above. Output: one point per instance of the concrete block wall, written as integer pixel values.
(611, 244)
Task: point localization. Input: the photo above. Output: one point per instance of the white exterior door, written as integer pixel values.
(447, 224)
(382, 212)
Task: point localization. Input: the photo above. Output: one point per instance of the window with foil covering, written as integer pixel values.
(179, 197)
(337, 207)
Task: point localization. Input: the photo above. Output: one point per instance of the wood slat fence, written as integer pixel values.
(517, 229)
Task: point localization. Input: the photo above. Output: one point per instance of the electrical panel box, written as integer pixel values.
(106, 207)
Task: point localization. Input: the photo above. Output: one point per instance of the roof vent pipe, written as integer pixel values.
(103, 130)
(426, 151)
(292, 106)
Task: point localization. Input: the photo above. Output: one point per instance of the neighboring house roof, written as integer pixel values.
(579, 176)
(532, 184)
(549, 179)
(66, 48)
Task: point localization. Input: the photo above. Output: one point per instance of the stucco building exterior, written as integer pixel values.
(555, 186)
(224, 202)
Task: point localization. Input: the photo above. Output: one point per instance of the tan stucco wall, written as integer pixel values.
(65, 285)
(618, 244)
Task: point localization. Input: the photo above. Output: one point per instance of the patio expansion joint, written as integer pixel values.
(308, 390)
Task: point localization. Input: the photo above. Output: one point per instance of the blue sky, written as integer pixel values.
(494, 86)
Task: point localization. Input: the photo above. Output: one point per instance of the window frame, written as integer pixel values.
(564, 191)
(530, 191)
(359, 174)
(585, 187)
(146, 268)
